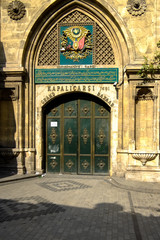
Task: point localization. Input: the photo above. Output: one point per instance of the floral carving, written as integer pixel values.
(16, 10)
(136, 7)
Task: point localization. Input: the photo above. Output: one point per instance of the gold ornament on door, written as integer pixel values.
(70, 135)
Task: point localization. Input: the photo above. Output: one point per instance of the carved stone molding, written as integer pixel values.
(136, 7)
(9, 94)
(8, 154)
(144, 94)
(16, 10)
(144, 157)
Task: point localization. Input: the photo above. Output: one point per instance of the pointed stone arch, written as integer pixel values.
(115, 35)
(105, 16)
(103, 54)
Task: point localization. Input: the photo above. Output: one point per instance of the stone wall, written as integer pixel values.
(141, 30)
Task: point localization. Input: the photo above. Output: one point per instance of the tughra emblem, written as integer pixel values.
(76, 43)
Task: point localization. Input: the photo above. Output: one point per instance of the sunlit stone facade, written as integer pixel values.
(52, 52)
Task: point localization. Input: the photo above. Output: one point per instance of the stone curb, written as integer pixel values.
(114, 182)
(18, 178)
(127, 187)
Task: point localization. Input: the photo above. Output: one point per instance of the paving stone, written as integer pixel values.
(80, 208)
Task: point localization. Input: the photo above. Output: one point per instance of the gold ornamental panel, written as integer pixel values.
(54, 111)
(70, 135)
(53, 135)
(101, 136)
(85, 110)
(85, 135)
(53, 164)
(101, 110)
(85, 164)
(69, 164)
(70, 110)
(101, 164)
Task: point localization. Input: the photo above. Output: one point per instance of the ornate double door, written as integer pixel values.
(78, 138)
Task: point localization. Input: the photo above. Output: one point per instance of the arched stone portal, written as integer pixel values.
(76, 54)
(75, 49)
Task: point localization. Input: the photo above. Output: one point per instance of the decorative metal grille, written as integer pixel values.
(76, 17)
(103, 53)
(49, 50)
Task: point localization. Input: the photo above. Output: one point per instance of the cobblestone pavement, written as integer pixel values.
(79, 208)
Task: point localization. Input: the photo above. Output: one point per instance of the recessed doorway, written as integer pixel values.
(77, 136)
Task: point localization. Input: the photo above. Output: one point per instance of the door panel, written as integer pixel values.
(85, 108)
(85, 112)
(53, 144)
(101, 136)
(70, 138)
(85, 165)
(101, 164)
(70, 135)
(70, 109)
(53, 163)
(101, 111)
(78, 138)
(70, 164)
(85, 136)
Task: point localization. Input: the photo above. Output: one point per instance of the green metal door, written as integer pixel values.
(78, 138)
(69, 136)
(85, 137)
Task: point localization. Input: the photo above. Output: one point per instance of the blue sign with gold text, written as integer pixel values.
(76, 75)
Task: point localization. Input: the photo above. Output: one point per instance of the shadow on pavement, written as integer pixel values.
(37, 218)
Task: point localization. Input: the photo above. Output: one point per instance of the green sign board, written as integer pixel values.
(76, 75)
